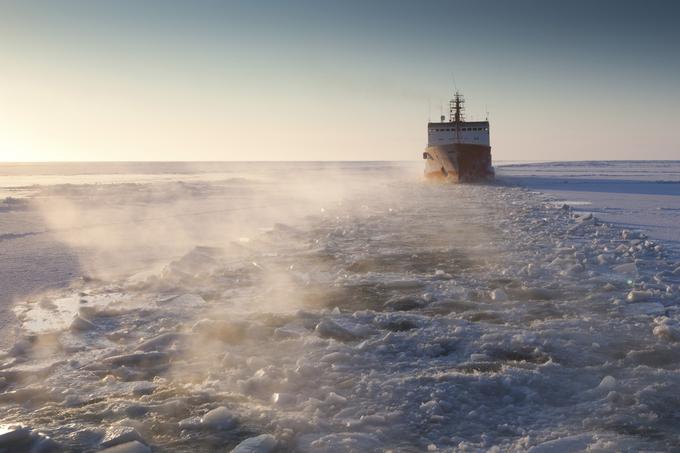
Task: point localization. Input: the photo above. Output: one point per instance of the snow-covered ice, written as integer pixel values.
(341, 307)
(639, 195)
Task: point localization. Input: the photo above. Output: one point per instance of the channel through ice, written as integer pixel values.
(384, 314)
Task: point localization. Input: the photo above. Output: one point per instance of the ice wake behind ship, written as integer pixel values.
(409, 317)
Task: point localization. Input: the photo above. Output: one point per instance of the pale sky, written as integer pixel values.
(324, 80)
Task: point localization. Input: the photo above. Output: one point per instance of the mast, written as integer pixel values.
(456, 112)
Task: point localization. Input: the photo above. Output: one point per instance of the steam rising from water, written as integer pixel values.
(123, 227)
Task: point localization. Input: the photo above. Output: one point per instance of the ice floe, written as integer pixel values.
(462, 318)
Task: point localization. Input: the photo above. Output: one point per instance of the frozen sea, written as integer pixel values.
(339, 307)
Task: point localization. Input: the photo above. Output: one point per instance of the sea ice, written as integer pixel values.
(219, 418)
(80, 324)
(138, 359)
(119, 434)
(128, 447)
(227, 331)
(328, 328)
(666, 329)
(264, 443)
(499, 295)
(567, 444)
(444, 323)
(627, 268)
(639, 296)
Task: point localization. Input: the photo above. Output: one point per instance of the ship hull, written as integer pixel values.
(458, 162)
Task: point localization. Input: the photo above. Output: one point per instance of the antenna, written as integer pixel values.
(429, 110)
(457, 108)
(455, 86)
(456, 115)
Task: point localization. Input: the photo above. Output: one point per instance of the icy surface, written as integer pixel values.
(398, 315)
(635, 194)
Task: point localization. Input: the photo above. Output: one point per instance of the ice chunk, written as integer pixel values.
(120, 434)
(335, 399)
(335, 357)
(15, 439)
(128, 447)
(21, 439)
(402, 284)
(607, 383)
(531, 269)
(499, 295)
(568, 444)
(288, 332)
(628, 234)
(190, 423)
(585, 218)
(622, 248)
(219, 418)
(603, 259)
(328, 328)
(138, 359)
(574, 269)
(440, 274)
(638, 296)
(262, 382)
(283, 399)
(344, 442)
(160, 342)
(628, 268)
(29, 393)
(608, 287)
(666, 329)
(80, 324)
(136, 410)
(264, 443)
(143, 388)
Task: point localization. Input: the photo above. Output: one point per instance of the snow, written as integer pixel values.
(366, 311)
(639, 195)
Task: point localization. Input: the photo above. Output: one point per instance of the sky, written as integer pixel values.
(324, 80)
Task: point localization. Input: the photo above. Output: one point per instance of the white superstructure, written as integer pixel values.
(474, 133)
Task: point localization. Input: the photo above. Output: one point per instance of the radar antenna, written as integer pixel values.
(456, 112)
(457, 108)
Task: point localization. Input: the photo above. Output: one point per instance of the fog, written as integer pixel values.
(119, 228)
